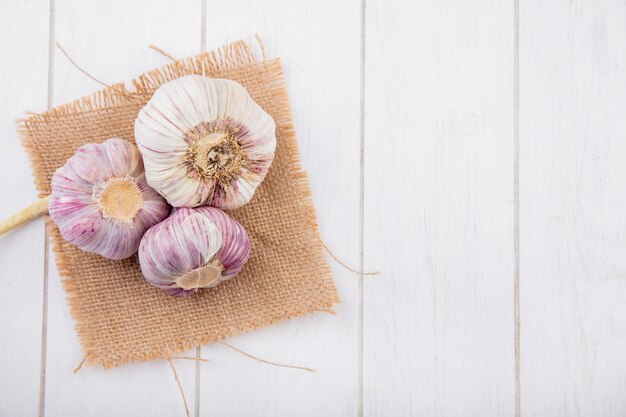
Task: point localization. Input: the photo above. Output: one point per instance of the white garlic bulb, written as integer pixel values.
(205, 142)
(101, 201)
(193, 249)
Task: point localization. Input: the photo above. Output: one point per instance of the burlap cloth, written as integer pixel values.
(119, 317)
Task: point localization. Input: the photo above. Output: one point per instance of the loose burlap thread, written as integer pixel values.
(119, 317)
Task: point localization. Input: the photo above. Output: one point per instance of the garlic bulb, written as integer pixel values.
(205, 142)
(192, 249)
(101, 201)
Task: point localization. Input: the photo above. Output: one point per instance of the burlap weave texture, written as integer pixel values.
(119, 317)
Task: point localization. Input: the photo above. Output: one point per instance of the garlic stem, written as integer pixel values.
(28, 213)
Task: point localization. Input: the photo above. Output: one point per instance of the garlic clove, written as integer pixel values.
(101, 200)
(205, 142)
(193, 249)
(209, 239)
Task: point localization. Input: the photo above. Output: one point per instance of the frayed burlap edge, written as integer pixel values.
(229, 57)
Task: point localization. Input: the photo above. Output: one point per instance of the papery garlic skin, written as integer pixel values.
(205, 142)
(101, 201)
(193, 249)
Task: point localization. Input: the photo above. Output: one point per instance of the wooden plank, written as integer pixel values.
(24, 86)
(438, 137)
(319, 46)
(572, 199)
(110, 40)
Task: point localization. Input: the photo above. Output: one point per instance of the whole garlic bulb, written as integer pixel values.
(192, 249)
(205, 142)
(101, 201)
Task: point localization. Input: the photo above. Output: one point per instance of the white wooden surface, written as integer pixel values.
(413, 119)
(438, 324)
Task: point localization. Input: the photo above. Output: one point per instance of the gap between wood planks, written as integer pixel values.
(46, 256)
(361, 208)
(516, 223)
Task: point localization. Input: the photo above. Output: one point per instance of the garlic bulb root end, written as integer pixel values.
(121, 199)
(216, 156)
(201, 277)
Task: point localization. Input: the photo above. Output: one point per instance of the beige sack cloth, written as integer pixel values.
(119, 317)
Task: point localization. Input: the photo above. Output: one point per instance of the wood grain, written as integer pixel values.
(438, 323)
(23, 86)
(572, 199)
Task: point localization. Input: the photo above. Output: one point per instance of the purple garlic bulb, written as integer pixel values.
(101, 201)
(193, 249)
